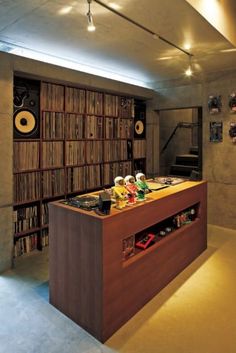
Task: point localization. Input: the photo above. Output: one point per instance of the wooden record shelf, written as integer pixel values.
(67, 117)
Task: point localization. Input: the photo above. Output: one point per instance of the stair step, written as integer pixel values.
(193, 150)
(187, 159)
(182, 170)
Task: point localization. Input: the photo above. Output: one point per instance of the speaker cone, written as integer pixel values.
(139, 127)
(25, 122)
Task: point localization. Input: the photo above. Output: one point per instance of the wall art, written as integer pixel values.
(214, 104)
(232, 102)
(232, 131)
(216, 131)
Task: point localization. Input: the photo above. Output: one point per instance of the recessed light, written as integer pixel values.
(114, 6)
(187, 46)
(228, 50)
(164, 58)
(65, 10)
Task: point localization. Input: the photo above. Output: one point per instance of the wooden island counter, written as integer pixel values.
(94, 282)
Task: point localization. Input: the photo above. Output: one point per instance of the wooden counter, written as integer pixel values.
(89, 280)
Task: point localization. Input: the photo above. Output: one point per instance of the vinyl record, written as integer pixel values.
(139, 127)
(25, 122)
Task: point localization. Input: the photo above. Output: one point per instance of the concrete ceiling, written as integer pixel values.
(59, 28)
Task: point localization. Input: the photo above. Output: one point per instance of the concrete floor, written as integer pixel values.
(195, 313)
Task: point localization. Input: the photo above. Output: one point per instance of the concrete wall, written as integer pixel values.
(10, 64)
(219, 167)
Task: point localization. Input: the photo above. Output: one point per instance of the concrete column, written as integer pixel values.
(6, 163)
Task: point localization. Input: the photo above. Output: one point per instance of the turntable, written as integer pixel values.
(166, 180)
(87, 203)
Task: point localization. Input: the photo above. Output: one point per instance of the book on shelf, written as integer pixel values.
(94, 152)
(111, 105)
(93, 176)
(44, 238)
(26, 155)
(128, 247)
(74, 152)
(52, 97)
(111, 128)
(112, 170)
(111, 150)
(27, 186)
(53, 182)
(126, 128)
(139, 149)
(52, 125)
(74, 126)
(126, 107)
(44, 214)
(93, 127)
(25, 245)
(74, 100)
(25, 218)
(94, 102)
(52, 154)
(76, 179)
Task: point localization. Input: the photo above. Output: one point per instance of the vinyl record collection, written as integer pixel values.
(52, 125)
(139, 149)
(26, 155)
(74, 100)
(27, 187)
(74, 152)
(74, 126)
(52, 154)
(84, 139)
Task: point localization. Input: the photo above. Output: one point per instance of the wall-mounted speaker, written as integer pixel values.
(139, 120)
(26, 109)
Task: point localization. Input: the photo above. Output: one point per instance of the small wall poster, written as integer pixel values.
(232, 131)
(214, 104)
(216, 131)
(232, 103)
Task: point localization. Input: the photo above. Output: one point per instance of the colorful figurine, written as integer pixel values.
(142, 186)
(120, 192)
(132, 189)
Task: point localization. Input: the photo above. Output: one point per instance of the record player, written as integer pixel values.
(87, 203)
(167, 180)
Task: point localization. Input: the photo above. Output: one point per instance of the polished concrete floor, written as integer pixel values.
(195, 313)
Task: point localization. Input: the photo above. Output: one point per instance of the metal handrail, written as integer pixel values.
(181, 124)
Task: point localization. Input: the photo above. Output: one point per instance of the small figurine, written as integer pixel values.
(120, 192)
(142, 186)
(132, 189)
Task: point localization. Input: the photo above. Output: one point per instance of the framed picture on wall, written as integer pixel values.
(214, 104)
(216, 131)
(232, 131)
(232, 102)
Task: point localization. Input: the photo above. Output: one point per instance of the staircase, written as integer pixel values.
(185, 163)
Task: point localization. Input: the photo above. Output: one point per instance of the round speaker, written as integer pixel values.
(25, 122)
(139, 127)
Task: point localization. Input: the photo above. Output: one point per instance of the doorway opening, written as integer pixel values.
(181, 142)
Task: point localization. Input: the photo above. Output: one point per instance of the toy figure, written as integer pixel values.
(142, 186)
(131, 188)
(120, 192)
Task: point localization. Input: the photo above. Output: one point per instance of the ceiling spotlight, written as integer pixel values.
(187, 46)
(91, 27)
(189, 71)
